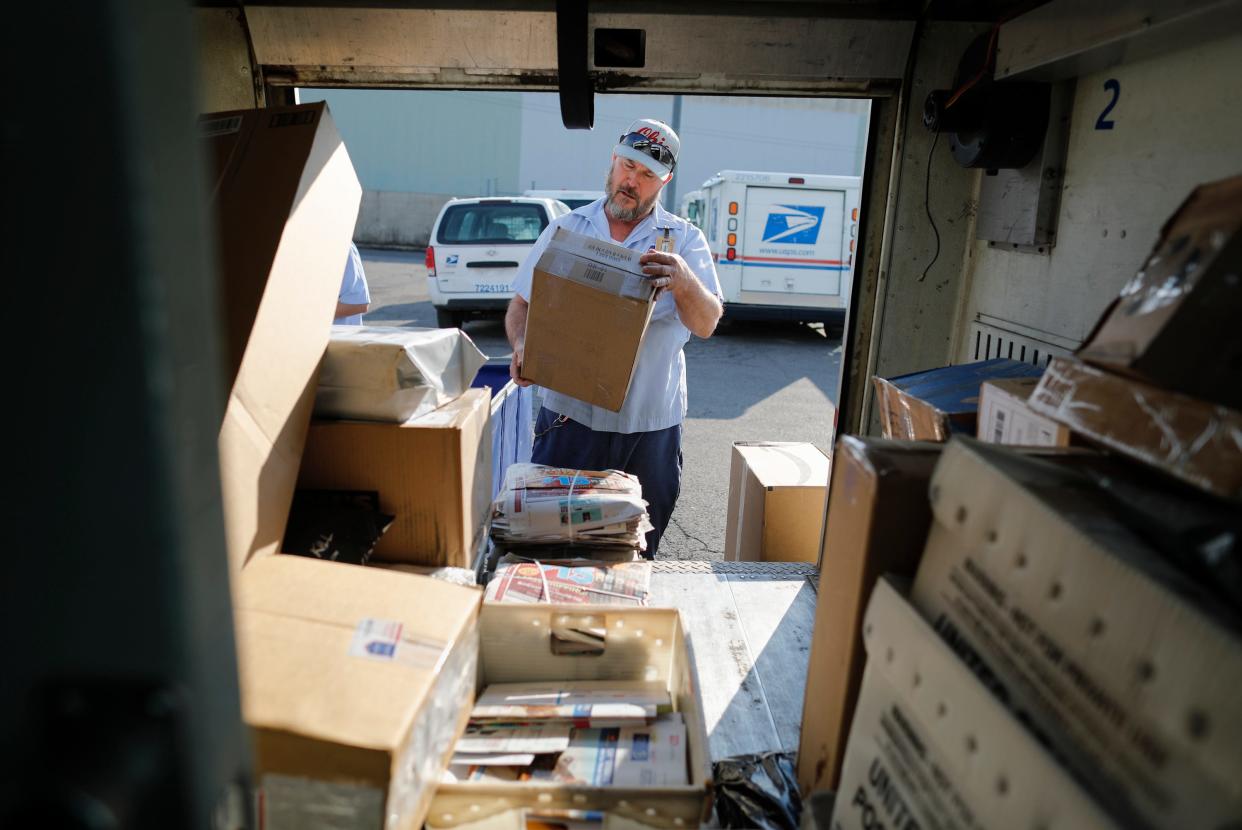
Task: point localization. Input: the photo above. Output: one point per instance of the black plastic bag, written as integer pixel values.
(758, 791)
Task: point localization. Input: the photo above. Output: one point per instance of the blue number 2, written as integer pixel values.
(1104, 122)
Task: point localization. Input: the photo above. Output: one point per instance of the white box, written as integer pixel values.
(1006, 418)
(1107, 651)
(930, 747)
(651, 644)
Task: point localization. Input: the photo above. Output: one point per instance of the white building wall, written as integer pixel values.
(412, 149)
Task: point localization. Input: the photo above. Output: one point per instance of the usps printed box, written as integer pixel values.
(931, 747)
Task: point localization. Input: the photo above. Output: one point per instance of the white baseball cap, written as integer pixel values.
(652, 143)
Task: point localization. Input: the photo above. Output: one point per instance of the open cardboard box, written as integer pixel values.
(285, 198)
(356, 682)
(651, 644)
(434, 474)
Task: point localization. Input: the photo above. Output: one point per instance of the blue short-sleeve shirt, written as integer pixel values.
(657, 396)
(354, 290)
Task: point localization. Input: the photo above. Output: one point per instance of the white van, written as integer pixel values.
(474, 251)
(692, 210)
(783, 243)
(574, 198)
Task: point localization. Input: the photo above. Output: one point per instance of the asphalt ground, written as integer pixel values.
(748, 382)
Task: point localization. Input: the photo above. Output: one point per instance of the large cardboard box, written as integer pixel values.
(517, 645)
(1047, 582)
(932, 405)
(589, 310)
(434, 474)
(285, 198)
(776, 502)
(878, 516)
(1175, 323)
(930, 746)
(1006, 417)
(356, 682)
(1196, 441)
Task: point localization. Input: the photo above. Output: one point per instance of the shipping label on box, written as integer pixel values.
(589, 310)
(930, 747)
(1113, 658)
(1005, 417)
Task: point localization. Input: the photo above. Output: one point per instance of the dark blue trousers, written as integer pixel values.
(655, 457)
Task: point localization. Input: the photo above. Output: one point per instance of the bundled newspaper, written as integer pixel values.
(591, 733)
(540, 505)
(525, 579)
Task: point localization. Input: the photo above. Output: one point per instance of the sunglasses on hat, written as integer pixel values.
(651, 148)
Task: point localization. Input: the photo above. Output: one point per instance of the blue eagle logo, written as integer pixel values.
(794, 224)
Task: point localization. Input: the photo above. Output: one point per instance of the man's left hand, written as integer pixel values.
(667, 271)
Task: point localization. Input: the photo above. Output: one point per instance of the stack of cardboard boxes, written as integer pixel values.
(354, 680)
(358, 681)
(1057, 642)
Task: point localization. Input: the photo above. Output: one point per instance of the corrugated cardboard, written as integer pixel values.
(1005, 417)
(1175, 323)
(932, 405)
(931, 747)
(649, 644)
(589, 309)
(1198, 442)
(340, 729)
(1060, 603)
(433, 474)
(375, 373)
(285, 200)
(776, 502)
(878, 516)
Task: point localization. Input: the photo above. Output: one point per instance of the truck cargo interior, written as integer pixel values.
(1006, 589)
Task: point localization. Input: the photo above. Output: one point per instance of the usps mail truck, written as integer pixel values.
(783, 243)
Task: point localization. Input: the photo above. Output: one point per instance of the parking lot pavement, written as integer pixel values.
(749, 382)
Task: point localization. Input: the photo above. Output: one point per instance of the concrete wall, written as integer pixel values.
(389, 219)
(1176, 124)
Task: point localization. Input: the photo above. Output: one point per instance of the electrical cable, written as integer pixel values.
(927, 207)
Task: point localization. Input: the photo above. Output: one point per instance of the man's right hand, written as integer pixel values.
(515, 367)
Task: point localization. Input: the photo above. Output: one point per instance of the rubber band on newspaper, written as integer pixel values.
(569, 505)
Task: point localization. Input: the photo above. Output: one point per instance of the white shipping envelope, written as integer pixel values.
(538, 740)
(633, 756)
(574, 700)
(496, 759)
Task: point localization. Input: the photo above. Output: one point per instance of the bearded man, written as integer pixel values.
(644, 438)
